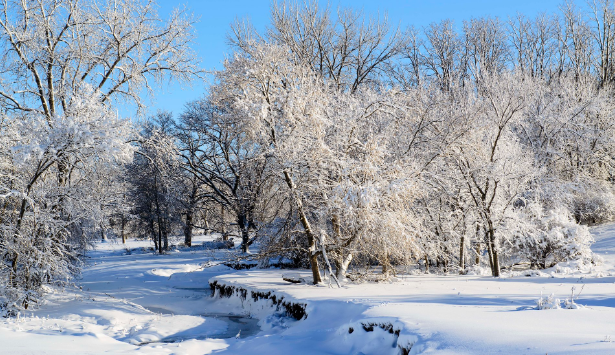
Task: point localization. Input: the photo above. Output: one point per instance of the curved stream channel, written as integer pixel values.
(237, 326)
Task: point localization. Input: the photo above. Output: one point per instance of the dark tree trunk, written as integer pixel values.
(493, 253)
(462, 260)
(477, 245)
(159, 236)
(123, 235)
(190, 216)
(188, 229)
(223, 217)
(245, 233)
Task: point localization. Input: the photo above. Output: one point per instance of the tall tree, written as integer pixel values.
(233, 169)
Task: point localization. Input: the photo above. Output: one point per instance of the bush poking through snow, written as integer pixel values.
(549, 302)
(569, 302)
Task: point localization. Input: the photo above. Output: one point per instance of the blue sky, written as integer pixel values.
(216, 16)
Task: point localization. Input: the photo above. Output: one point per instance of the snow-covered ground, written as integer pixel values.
(150, 304)
(126, 303)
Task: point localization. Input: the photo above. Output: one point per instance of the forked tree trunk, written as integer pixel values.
(341, 262)
(341, 266)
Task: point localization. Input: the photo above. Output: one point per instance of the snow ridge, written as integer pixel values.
(289, 308)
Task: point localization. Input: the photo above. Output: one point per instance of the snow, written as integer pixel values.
(160, 304)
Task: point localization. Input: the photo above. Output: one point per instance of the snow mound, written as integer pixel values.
(177, 269)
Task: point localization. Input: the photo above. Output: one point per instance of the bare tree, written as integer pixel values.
(603, 23)
(343, 47)
(408, 70)
(577, 43)
(49, 49)
(444, 57)
(535, 45)
(233, 169)
(486, 46)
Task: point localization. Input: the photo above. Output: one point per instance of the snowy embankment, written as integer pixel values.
(142, 303)
(438, 314)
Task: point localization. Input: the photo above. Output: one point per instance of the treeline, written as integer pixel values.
(333, 139)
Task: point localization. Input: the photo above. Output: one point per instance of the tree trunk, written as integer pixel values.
(206, 222)
(188, 229)
(341, 267)
(493, 253)
(385, 264)
(154, 235)
(496, 260)
(13, 275)
(312, 256)
(123, 235)
(159, 236)
(165, 235)
(489, 249)
(245, 233)
(477, 260)
(223, 217)
(462, 261)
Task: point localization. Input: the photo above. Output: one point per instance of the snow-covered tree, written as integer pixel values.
(46, 222)
(232, 169)
(64, 64)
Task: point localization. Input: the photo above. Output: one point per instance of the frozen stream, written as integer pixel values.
(237, 326)
(172, 284)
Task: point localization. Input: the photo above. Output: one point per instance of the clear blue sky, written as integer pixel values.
(216, 16)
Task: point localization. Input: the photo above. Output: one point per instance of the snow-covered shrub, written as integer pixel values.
(569, 303)
(547, 238)
(549, 302)
(593, 202)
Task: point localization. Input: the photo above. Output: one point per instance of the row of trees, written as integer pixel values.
(330, 140)
(337, 140)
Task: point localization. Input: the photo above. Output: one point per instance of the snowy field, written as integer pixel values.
(150, 304)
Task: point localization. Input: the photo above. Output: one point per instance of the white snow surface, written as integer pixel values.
(160, 304)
